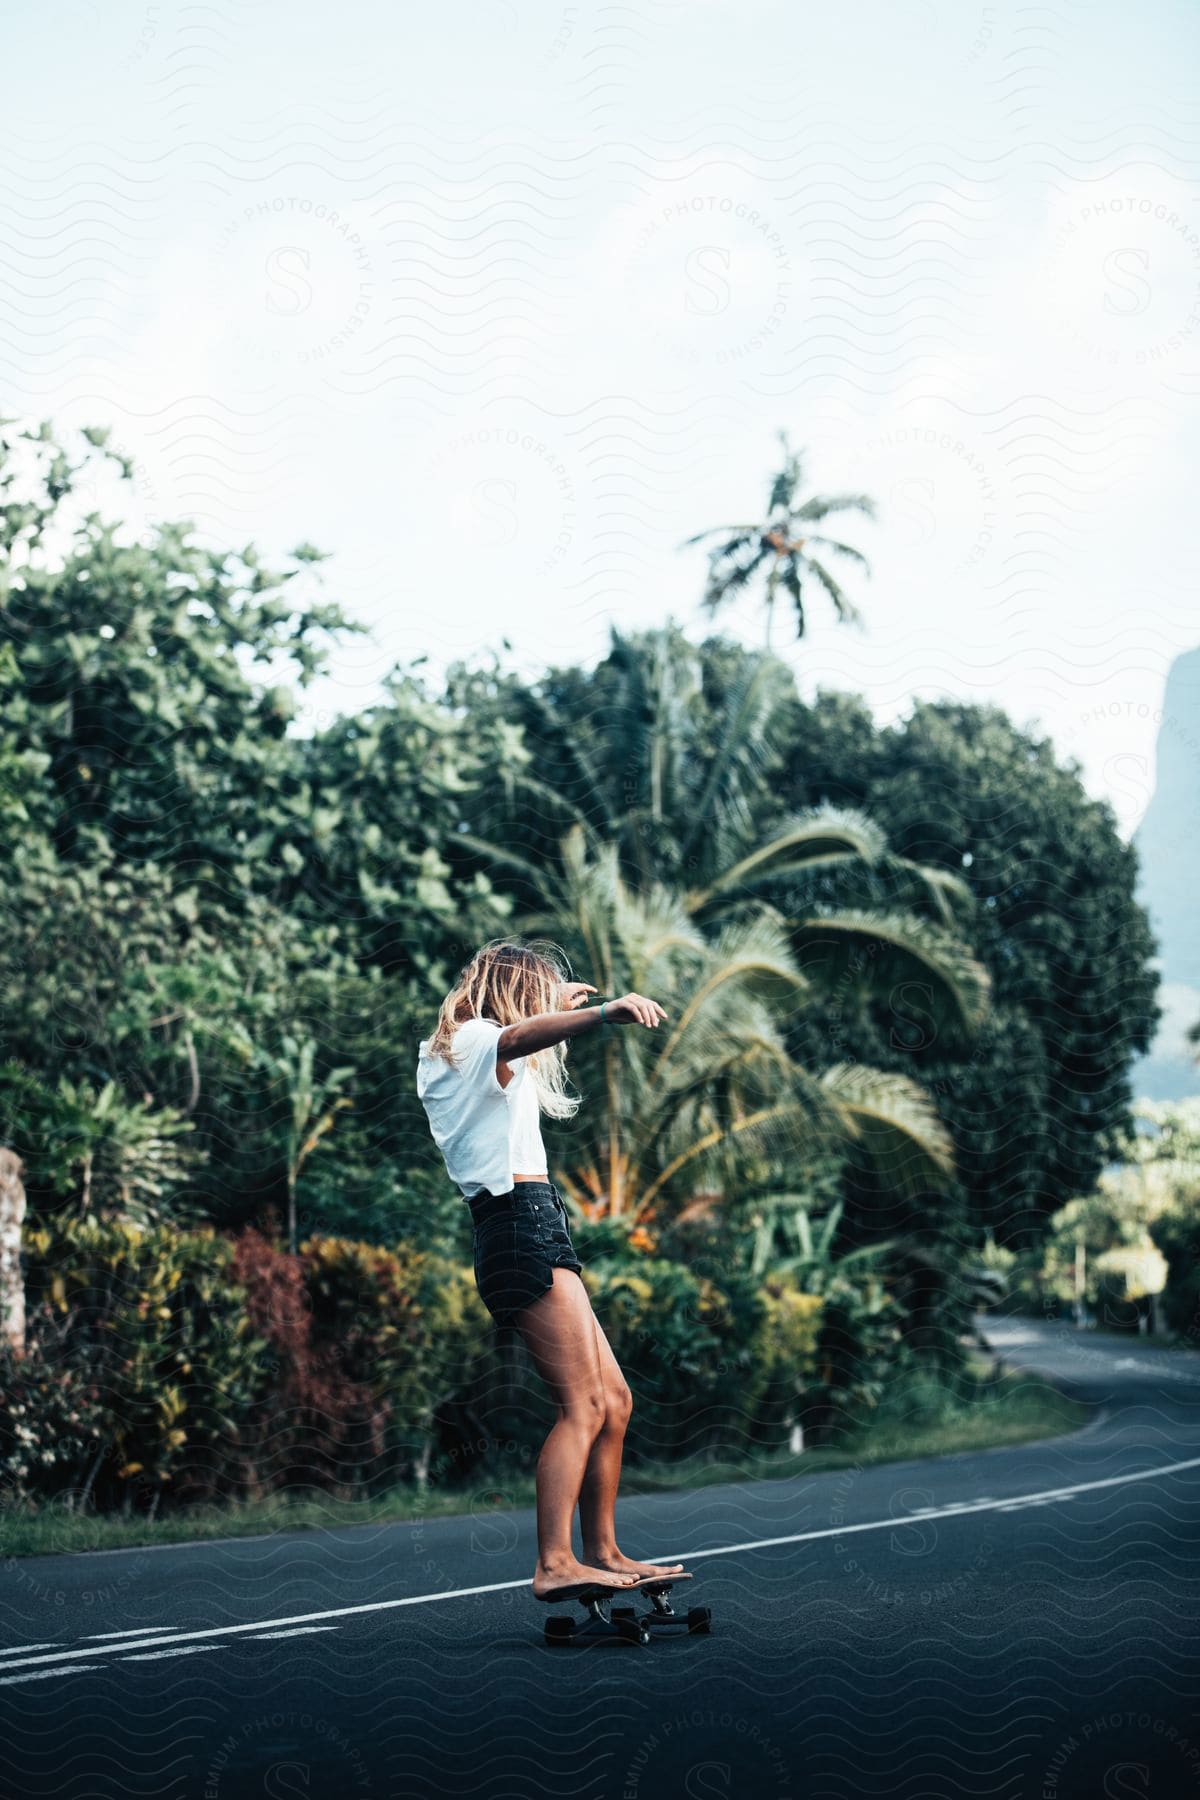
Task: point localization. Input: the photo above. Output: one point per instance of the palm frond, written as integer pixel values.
(784, 484)
(744, 531)
(840, 549)
(821, 505)
(503, 857)
(557, 802)
(896, 947)
(750, 714)
(807, 1117)
(893, 1122)
(574, 745)
(844, 606)
(792, 581)
(727, 573)
(752, 958)
(922, 883)
(824, 833)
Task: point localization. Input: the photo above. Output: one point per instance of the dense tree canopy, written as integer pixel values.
(192, 883)
(1039, 1105)
(211, 916)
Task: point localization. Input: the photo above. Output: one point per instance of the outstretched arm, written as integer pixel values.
(545, 1029)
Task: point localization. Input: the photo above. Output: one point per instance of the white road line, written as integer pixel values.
(137, 1631)
(46, 1674)
(959, 1510)
(175, 1650)
(16, 1649)
(296, 1631)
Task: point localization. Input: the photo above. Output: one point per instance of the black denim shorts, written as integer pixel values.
(519, 1238)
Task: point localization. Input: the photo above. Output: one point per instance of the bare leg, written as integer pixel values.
(559, 1334)
(598, 1496)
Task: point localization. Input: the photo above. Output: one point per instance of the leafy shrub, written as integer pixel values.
(153, 1326)
(406, 1323)
(785, 1348)
(198, 1366)
(186, 1362)
(93, 1147)
(1177, 1234)
(312, 1422)
(859, 1352)
(710, 1367)
(53, 1424)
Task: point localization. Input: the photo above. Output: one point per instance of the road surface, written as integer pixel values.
(1010, 1624)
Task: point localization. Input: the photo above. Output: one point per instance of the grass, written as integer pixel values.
(920, 1420)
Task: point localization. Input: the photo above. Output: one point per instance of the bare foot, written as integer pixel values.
(567, 1572)
(619, 1564)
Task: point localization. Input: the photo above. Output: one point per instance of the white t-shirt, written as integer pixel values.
(484, 1131)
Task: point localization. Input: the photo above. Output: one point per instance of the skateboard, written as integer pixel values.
(606, 1622)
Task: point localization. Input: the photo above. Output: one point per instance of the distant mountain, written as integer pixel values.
(1168, 843)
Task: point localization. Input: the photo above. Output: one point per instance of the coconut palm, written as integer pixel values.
(657, 826)
(641, 756)
(784, 545)
(682, 781)
(858, 950)
(685, 1105)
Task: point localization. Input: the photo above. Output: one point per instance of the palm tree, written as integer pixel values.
(785, 545)
(685, 1104)
(651, 835)
(676, 791)
(682, 778)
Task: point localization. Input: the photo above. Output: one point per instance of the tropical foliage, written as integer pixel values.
(904, 972)
(1132, 1242)
(1040, 1102)
(785, 547)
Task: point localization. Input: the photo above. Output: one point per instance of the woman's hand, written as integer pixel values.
(633, 1009)
(572, 994)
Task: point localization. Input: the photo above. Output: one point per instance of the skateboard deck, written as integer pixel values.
(586, 1590)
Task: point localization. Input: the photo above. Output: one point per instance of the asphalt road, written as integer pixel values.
(1015, 1624)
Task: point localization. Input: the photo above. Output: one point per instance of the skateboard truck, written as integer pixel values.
(662, 1613)
(604, 1622)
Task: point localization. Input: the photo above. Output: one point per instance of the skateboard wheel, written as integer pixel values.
(559, 1631)
(631, 1632)
(699, 1618)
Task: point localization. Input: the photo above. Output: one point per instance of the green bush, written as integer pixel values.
(710, 1368)
(407, 1324)
(191, 1364)
(860, 1352)
(150, 1319)
(1177, 1234)
(53, 1422)
(785, 1349)
(188, 1365)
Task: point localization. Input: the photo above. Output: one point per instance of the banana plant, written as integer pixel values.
(808, 1250)
(313, 1109)
(678, 1109)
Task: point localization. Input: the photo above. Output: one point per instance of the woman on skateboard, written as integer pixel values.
(493, 1065)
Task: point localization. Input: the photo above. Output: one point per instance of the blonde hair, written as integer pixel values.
(507, 982)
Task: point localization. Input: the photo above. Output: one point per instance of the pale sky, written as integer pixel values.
(499, 302)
